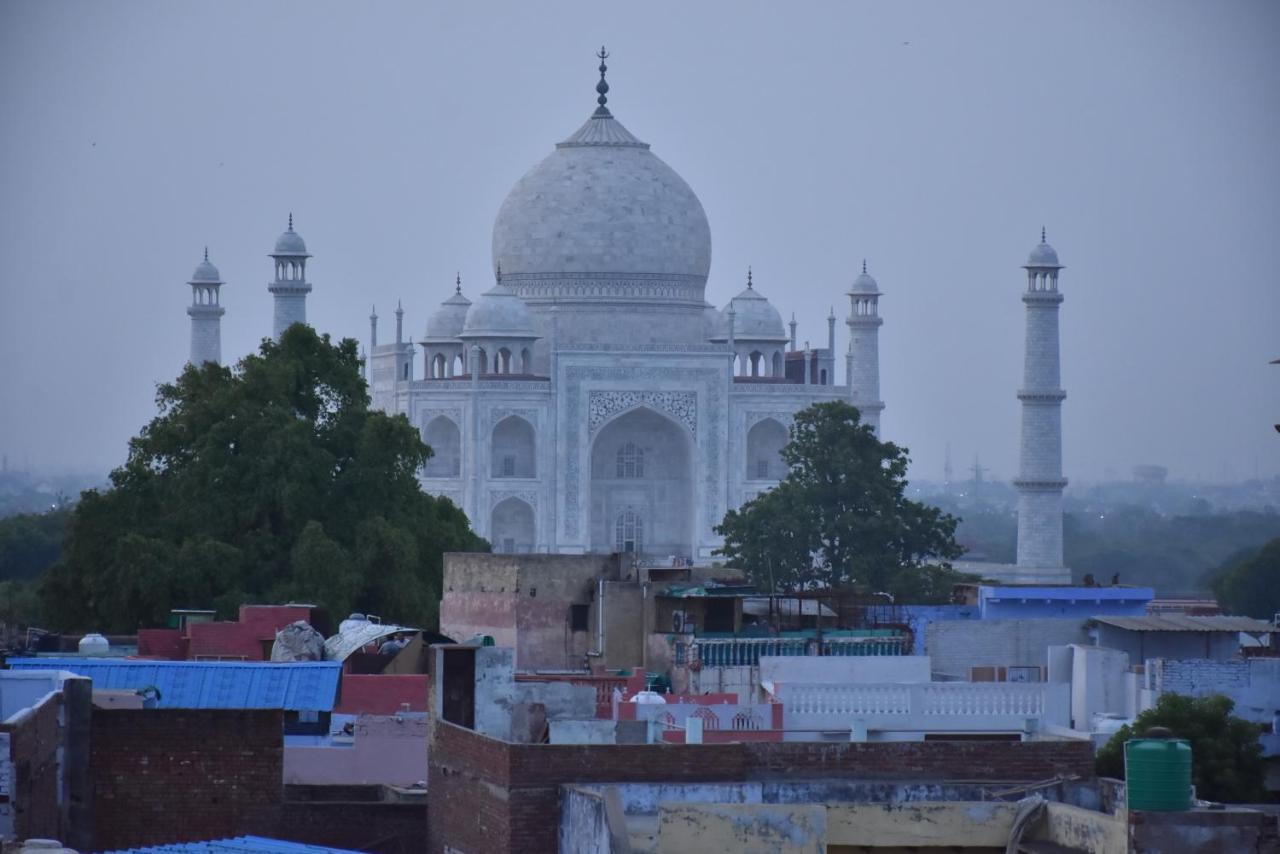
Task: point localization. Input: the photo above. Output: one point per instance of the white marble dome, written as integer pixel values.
(498, 313)
(754, 317)
(603, 206)
(865, 284)
(1043, 255)
(448, 320)
(206, 273)
(290, 243)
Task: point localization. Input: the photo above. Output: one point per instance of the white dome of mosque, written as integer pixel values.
(602, 203)
(864, 284)
(290, 243)
(447, 321)
(754, 318)
(206, 272)
(1043, 255)
(498, 313)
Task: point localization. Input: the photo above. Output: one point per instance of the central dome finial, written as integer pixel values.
(602, 87)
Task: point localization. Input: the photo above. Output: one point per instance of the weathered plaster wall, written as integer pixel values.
(384, 749)
(523, 602)
(748, 828)
(1084, 830)
(957, 645)
(1098, 684)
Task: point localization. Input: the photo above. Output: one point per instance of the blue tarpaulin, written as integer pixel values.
(295, 686)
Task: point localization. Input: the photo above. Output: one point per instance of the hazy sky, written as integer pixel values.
(934, 139)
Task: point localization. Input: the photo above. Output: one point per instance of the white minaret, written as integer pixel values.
(1040, 481)
(290, 288)
(862, 365)
(206, 313)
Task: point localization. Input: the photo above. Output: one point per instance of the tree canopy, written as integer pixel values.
(1226, 756)
(1250, 584)
(272, 481)
(840, 516)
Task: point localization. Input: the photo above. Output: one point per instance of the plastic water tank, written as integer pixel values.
(1157, 774)
(44, 846)
(94, 644)
(648, 698)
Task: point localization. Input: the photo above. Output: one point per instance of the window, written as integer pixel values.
(630, 461)
(509, 545)
(629, 531)
(762, 469)
(578, 618)
(509, 466)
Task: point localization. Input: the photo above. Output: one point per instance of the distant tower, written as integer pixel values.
(946, 470)
(863, 361)
(206, 314)
(290, 288)
(1040, 481)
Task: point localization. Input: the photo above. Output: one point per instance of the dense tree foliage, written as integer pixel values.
(1250, 583)
(31, 542)
(1176, 554)
(1226, 757)
(271, 481)
(840, 516)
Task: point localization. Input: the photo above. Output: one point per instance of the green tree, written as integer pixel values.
(269, 481)
(1250, 585)
(31, 542)
(841, 517)
(1226, 757)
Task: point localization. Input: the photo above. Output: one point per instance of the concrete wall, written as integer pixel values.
(845, 670)
(537, 705)
(957, 645)
(1023, 603)
(918, 617)
(748, 828)
(382, 749)
(1098, 684)
(523, 601)
(624, 607)
(1254, 683)
(495, 691)
(1084, 830)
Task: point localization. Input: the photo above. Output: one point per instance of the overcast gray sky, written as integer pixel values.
(932, 138)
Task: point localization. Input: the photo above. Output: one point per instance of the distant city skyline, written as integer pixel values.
(934, 140)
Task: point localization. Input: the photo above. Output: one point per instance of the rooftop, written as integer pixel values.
(1184, 623)
(296, 686)
(256, 844)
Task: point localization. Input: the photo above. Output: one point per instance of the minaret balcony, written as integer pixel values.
(1055, 395)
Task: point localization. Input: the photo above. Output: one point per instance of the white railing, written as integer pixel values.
(929, 706)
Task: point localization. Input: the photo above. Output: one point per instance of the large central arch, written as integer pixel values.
(642, 486)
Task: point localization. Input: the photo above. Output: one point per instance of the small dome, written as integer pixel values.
(1043, 255)
(448, 320)
(206, 273)
(290, 243)
(498, 313)
(864, 284)
(754, 319)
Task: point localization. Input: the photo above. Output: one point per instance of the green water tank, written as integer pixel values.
(1157, 774)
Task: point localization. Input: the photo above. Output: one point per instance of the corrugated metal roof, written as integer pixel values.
(259, 844)
(342, 645)
(295, 686)
(1185, 623)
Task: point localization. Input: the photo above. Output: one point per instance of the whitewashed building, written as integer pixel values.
(591, 399)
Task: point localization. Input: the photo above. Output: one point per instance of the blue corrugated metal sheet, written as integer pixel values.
(298, 686)
(240, 844)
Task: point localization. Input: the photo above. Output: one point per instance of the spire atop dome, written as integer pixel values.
(603, 86)
(1042, 237)
(749, 287)
(457, 283)
(864, 266)
(291, 220)
(206, 253)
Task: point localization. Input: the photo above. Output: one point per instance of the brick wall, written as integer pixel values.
(173, 775)
(34, 740)
(490, 796)
(385, 828)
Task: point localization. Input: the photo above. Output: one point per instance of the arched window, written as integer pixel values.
(628, 531)
(630, 461)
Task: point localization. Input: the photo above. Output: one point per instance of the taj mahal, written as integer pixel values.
(592, 400)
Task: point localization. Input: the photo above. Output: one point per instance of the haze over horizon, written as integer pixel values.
(933, 139)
